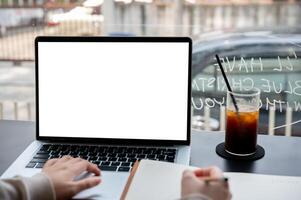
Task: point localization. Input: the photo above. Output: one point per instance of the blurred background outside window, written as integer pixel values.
(259, 42)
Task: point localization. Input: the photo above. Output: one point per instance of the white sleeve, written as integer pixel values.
(27, 188)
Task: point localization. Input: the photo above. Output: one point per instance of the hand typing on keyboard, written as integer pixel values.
(65, 176)
(107, 158)
(62, 173)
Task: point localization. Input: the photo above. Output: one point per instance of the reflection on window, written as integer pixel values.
(258, 41)
(271, 63)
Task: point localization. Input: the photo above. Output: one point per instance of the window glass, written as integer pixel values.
(257, 40)
(270, 63)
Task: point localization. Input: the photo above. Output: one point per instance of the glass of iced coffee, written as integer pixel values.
(242, 121)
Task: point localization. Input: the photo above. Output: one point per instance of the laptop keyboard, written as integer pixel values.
(107, 158)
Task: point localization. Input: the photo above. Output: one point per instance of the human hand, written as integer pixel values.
(62, 172)
(193, 184)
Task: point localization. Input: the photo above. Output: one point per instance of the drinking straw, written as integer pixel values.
(227, 82)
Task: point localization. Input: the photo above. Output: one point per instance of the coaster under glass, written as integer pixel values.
(220, 150)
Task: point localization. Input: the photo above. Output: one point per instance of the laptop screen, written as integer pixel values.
(116, 90)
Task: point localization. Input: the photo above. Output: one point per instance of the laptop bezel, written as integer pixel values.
(112, 140)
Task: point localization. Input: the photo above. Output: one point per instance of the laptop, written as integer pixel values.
(112, 101)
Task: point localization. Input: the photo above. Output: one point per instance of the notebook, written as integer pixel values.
(161, 180)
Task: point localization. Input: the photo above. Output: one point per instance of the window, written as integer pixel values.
(259, 42)
(270, 62)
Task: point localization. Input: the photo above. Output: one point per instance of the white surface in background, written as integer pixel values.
(113, 90)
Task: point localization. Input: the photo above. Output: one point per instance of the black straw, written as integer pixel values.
(227, 82)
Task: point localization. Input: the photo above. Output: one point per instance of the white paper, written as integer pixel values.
(162, 180)
(257, 186)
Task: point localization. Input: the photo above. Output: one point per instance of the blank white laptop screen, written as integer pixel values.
(121, 90)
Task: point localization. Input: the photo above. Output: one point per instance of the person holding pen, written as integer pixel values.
(205, 184)
(56, 181)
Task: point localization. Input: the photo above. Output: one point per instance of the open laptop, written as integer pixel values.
(112, 101)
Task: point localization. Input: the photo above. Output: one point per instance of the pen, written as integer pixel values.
(222, 179)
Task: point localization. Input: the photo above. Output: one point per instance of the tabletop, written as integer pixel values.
(283, 154)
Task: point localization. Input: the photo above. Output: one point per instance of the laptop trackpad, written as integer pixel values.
(111, 186)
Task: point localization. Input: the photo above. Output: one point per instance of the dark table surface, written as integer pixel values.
(283, 154)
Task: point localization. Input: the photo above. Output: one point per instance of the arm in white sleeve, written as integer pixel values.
(27, 188)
